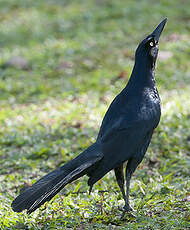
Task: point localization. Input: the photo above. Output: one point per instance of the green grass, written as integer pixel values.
(52, 110)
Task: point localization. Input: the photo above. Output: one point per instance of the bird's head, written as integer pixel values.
(148, 48)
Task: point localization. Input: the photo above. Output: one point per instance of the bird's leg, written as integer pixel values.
(127, 206)
(120, 179)
(121, 182)
(131, 166)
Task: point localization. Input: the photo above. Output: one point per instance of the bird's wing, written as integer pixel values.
(133, 119)
(121, 127)
(120, 143)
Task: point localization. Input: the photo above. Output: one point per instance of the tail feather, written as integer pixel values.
(49, 185)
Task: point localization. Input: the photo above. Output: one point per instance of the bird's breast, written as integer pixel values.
(150, 109)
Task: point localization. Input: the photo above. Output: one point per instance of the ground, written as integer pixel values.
(61, 65)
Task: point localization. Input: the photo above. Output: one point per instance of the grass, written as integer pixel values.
(80, 55)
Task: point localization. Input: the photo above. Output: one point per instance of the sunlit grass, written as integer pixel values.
(80, 55)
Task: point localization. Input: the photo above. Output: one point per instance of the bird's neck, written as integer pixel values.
(143, 75)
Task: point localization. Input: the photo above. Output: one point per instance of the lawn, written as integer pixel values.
(61, 64)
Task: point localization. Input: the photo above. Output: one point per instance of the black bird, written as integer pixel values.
(124, 135)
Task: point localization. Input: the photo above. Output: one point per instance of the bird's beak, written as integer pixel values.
(157, 32)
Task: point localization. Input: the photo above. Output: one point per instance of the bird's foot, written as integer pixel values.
(126, 209)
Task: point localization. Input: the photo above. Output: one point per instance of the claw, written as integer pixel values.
(126, 209)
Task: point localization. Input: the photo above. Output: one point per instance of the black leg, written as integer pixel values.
(120, 179)
(131, 166)
(128, 178)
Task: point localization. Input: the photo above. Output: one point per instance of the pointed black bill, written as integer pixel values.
(157, 32)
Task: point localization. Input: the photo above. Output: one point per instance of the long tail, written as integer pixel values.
(49, 185)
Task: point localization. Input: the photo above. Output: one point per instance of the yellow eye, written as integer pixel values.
(151, 44)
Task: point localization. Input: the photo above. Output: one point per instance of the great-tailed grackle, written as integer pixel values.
(124, 135)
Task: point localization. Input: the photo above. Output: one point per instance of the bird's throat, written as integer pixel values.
(142, 75)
